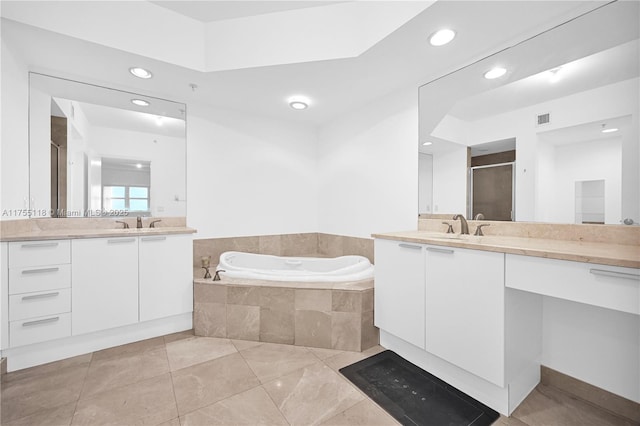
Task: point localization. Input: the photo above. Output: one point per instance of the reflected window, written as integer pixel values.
(130, 198)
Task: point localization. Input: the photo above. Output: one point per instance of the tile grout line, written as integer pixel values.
(84, 381)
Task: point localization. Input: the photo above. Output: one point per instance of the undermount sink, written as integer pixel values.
(445, 236)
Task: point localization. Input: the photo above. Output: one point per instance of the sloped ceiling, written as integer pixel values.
(371, 49)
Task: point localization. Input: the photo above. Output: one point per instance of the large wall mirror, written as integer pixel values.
(99, 152)
(555, 139)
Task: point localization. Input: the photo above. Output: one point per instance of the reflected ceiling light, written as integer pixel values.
(495, 73)
(140, 102)
(139, 165)
(159, 120)
(299, 102)
(609, 130)
(140, 72)
(556, 75)
(427, 143)
(442, 37)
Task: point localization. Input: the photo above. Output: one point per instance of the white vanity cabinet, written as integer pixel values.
(400, 290)
(4, 295)
(465, 310)
(105, 283)
(39, 296)
(610, 287)
(165, 275)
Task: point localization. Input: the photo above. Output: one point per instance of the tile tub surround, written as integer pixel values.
(307, 244)
(322, 315)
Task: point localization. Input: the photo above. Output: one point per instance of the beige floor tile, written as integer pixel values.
(188, 352)
(347, 358)
(178, 336)
(364, 413)
(270, 360)
(253, 407)
(21, 398)
(129, 349)
(172, 422)
(549, 406)
(212, 381)
(323, 353)
(124, 369)
(508, 421)
(241, 345)
(148, 402)
(53, 416)
(40, 370)
(312, 394)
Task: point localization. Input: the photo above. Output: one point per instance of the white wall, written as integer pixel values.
(614, 100)
(248, 175)
(368, 168)
(599, 346)
(594, 160)
(425, 183)
(167, 157)
(14, 145)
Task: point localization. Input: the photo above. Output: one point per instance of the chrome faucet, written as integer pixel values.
(464, 226)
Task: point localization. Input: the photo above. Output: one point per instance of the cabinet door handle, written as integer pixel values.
(120, 240)
(41, 296)
(410, 246)
(41, 321)
(615, 274)
(159, 238)
(440, 250)
(39, 245)
(39, 271)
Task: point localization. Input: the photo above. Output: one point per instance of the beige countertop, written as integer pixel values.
(580, 251)
(65, 234)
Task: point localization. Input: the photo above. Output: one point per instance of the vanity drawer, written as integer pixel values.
(39, 278)
(39, 253)
(30, 305)
(606, 286)
(41, 329)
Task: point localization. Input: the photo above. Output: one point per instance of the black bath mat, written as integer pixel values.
(413, 396)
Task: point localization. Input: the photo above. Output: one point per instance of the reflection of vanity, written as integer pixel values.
(551, 107)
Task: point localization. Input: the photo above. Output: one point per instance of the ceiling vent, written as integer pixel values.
(542, 119)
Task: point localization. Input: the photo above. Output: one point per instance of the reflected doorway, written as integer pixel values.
(492, 180)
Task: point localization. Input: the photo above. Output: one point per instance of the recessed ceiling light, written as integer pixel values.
(140, 72)
(495, 73)
(427, 143)
(139, 165)
(442, 37)
(609, 130)
(299, 102)
(140, 102)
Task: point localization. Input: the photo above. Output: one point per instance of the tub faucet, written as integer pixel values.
(464, 226)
